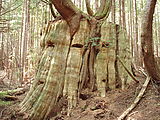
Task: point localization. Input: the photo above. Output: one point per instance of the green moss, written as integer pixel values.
(3, 103)
(3, 94)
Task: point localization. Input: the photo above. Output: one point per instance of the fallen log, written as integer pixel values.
(9, 98)
(14, 91)
(136, 101)
(10, 95)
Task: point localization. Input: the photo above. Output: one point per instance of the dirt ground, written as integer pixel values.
(112, 106)
(115, 103)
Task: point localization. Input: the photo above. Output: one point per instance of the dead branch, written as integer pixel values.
(17, 91)
(10, 10)
(45, 1)
(145, 74)
(127, 70)
(137, 100)
(52, 10)
(9, 98)
(11, 95)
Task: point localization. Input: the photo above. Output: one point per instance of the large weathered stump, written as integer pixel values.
(49, 79)
(64, 68)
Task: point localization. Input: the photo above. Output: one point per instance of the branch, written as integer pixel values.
(104, 9)
(45, 1)
(52, 11)
(127, 70)
(9, 98)
(70, 13)
(89, 10)
(136, 101)
(10, 10)
(65, 7)
(142, 70)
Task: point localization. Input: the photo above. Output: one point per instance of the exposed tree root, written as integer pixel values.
(130, 74)
(136, 101)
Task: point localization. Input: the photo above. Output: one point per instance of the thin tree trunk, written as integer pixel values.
(136, 53)
(117, 77)
(123, 15)
(2, 43)
(2, 52)
(120, 13)
(0, 6)
(25, 36)
(113, 11)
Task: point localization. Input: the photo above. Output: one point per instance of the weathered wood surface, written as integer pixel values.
(50, 71)
(58, 71)
(102, 72)
(105, 65)
(108, 38)
(74, 64)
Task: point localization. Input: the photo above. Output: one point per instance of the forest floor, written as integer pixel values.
(108, 108)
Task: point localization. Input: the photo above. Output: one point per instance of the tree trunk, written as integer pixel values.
(69, 55)
(123, 15)
(120, 12)
(2, 52)
(25, 36)
(2, 43)
(74, 66)
(113, 11)
(147, 43)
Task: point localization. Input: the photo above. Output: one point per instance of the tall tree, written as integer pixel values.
(147, 43)
(113, 11)
(25, 35)
(2, 44)
(123, 14)
(120, 12)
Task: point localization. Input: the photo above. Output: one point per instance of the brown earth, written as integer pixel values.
(108, 108)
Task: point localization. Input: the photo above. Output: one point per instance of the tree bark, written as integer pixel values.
(2, 43)
(25, 36)
(147, 43)
(64, 69)
(52, 10)
(113, 11)
(123, 15)
(89, 10)
(70, 13)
